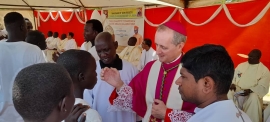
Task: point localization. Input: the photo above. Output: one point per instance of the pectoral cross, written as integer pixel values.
(153, 120)
(165, 73)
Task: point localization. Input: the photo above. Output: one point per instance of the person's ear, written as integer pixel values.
(115, 44)
(208, 85)
(96, 33)
(181, 45)
(81, 77)
(22, 27)
(63, 105)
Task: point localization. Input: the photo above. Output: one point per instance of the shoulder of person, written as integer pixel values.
(242, 64)
(127, 64)
(266, 70)
(149, 65)
(92, 116)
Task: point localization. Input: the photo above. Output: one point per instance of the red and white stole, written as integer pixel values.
(174, 99)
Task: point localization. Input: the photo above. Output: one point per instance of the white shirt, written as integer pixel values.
(93, 52)
(222, 111)
(14, 56)
(48, 40)
(86, 46)
(91, 114)
(70, 44)
(98, 97)
(146, 57)
(51, 44)
(44, 55)
(61, 44)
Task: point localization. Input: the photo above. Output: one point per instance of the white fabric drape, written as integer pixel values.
(255, 20)
(54, 18)
(50, 15)
(155, 25)
(207, 21)
(63, 19)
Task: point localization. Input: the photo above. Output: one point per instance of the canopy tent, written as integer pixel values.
(65, 4)
(75, 4)
(205, 16)
(27, 7)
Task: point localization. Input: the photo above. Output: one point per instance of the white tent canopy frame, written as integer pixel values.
(222, 7)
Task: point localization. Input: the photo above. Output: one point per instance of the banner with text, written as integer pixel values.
(124, 23)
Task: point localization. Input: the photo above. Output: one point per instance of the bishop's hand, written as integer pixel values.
(112, 77)
(158, 109)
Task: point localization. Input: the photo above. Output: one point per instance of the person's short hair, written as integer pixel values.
(96, 24)
(36, 38)
(257, 52)
(55, 33)
(74, 61)
(132, 41)
(50, 32)
(213, 61)
(148, 42)
(13, 18)
(39, 88)
(177, 37)
(63, 36)
(71, 34)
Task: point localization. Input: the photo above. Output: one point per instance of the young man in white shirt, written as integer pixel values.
(15, 54)
(49, 38)
(81, 66)
(206, 75)
(91, 29)
(71, 43)
(37, 38)
(44, 93)
(148, 54)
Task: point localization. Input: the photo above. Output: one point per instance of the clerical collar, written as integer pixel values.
(175, 59)
(117, 63)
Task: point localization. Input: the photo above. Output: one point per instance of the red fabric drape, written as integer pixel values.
(221, 30)
(61, 27)
(218, 31)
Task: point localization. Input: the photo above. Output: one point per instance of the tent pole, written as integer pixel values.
(27, 4)
(81, 3)
(35, 20)
(70, 3)
(39, 6)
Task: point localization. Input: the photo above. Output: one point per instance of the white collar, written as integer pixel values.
(175, 59)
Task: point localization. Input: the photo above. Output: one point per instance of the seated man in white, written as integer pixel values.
(251, 83)
(99, 95)
(49, 37)
(71, 43)
(81, 66)
(148, 54)
(131, 53)
(62, 43)
(206, 75)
